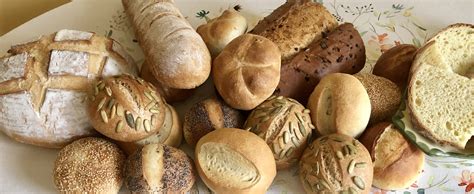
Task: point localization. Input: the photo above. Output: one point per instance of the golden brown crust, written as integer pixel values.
(89, 165)
(336, 163)
(249, 146)
(395, 64)
(126, 108)
(247, 71)
(285, 125)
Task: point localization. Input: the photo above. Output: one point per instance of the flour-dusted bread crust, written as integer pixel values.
(44, 84)
(294, 25)
(231, 160)
(441, 87)
(285, 125)
(89, 165)
(126, 108)
(177, 55)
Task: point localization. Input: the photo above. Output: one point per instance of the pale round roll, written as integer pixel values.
(336, 163)
(158, 168)
(247, 71)
(397, 162)
(285, 125)
(89, 165)
(340, 104)
(231, 160)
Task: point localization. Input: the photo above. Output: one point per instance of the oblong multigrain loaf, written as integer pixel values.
(177, 55)
(232, 160)
(44, 84)
(294, 25)
(247, 71)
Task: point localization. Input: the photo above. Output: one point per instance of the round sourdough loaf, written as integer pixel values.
(285, 125)
(126, 108)
(340, 104)
(89, 165)
(218, 32)
(158, 168)
(247, 71)
(397, 162)
(336, 163)
(44, 84)
(170, 133)
(231, 160)
(385, 97)
(208, 115)
(395, 64)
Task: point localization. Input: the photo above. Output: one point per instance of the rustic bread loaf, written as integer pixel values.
(285, 125)
(340, 104)
(169, 94)
(341, 51)
(89, 165)
(247, 71)
(385, 97)
(177, 55)
(208, 115)
(126, 108)
(158, 168)
(170, 133)
(394, 64)
(441, 91)
(232, 160)
(43, 85)
(336, 163)
(294, 25)
(397, 162)
(218, 32)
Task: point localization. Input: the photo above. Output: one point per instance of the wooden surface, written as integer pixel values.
(16, 12)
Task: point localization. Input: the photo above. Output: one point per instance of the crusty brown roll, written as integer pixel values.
(340, 104)
(285, 125)
(126, 108)
(341, 51)
(233, 160)
(169, 94)
(336, 163)
(385, 97)
(247, 71)
(294, 25)
(218, 32)
(177, 55)
(158, 168)
(170, 133)
(397, 162)
(89, 165)
(208, 115)
(395, 63)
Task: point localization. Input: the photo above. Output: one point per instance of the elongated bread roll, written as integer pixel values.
(177, 55)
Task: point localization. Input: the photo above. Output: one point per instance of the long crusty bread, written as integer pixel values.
(441, 88)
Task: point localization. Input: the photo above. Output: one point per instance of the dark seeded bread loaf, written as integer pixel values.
(342, 51)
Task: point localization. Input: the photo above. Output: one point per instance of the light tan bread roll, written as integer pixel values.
(158, 168)
(170, 133)
(294, 25)
(247, 71)
(397, 162)
(44, 84)
(208, 115)
(126, 108)
(340, 104)
(177, 55)
(89, 165)
(285, 125)
(336, 163)
(231, 160)
(218, 32)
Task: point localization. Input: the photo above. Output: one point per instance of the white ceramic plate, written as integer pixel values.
(382, 24)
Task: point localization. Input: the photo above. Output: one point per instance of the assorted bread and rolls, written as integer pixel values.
(288, 96)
